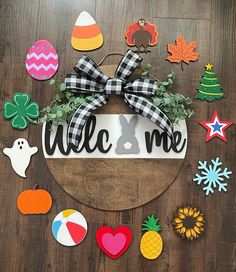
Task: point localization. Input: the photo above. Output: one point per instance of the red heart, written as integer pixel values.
(114, 242)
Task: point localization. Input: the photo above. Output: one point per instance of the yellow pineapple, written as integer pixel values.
(151, 244)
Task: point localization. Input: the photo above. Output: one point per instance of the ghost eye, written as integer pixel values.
(22, 142)
(18, 143)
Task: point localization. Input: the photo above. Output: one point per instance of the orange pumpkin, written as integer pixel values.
(34, 201)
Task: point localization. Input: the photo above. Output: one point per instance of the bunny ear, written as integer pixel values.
(133, 121)
(123, 121)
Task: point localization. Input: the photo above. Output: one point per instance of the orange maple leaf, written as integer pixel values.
(182, 51)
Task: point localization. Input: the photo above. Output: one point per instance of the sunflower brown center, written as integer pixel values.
(189, 222)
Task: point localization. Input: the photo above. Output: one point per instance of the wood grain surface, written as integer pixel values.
(26, 241)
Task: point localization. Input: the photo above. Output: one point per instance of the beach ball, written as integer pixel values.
(86, 34)
(42, 60)
(69, 227)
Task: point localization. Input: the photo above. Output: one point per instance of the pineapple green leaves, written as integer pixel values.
(151, 224)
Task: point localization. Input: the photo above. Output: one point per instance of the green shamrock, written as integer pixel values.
(21, 110)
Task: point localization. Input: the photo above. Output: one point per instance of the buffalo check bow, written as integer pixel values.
(89, 79)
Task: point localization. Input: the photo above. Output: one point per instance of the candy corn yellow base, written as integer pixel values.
(87, 44)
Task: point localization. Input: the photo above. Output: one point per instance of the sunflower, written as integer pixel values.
(189, 222)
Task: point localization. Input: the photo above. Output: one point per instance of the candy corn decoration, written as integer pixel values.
(86, 34)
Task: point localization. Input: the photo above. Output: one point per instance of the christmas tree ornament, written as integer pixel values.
(21, 111)
(182, 52)
(115, 242)
(151, 244)
(41, 60)
(209, 88)
(20, 154)
(86, 34)
(35, 201)
(141, 34)
(215, 127)
(69, 227)
(189, 222)
(212, 176)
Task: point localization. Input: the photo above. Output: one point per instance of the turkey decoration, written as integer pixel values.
(141, 34)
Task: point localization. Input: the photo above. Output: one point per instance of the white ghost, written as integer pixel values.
(20, 155)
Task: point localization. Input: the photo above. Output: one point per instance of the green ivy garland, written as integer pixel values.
(64, 103)
(175, 106)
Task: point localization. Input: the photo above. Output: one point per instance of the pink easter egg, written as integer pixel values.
(41, 60)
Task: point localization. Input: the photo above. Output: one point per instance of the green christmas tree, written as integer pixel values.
(209, 88)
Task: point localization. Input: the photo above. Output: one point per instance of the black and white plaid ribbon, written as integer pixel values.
(89, 79)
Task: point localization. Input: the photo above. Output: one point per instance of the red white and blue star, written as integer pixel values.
(215, 127)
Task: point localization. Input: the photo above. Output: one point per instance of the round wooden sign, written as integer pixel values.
(116, 180)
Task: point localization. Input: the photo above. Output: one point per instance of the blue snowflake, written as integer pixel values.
(212, 176)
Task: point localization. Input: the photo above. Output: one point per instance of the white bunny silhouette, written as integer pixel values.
(127, 143)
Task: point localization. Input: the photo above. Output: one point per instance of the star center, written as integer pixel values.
(216, 127)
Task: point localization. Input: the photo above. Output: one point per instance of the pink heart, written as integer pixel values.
(113, 243)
